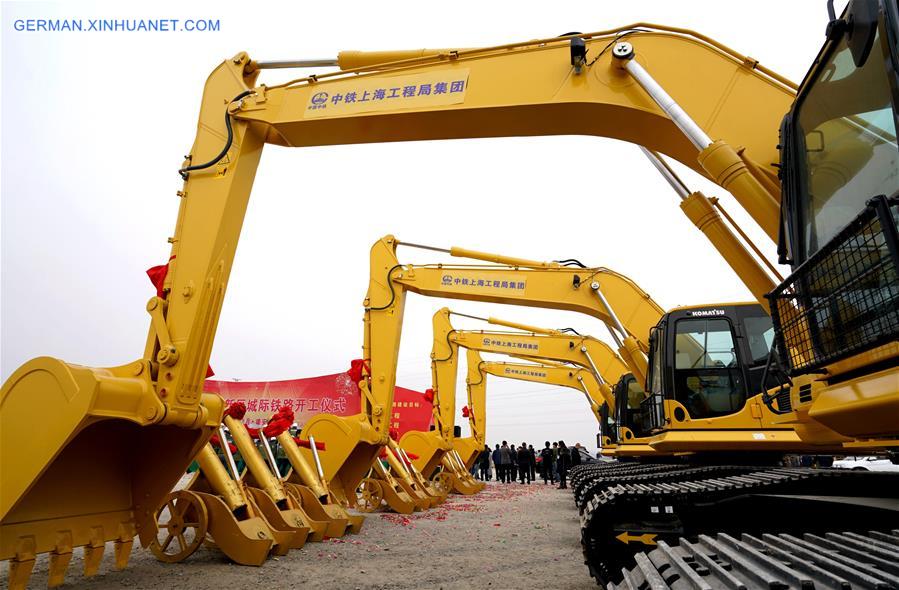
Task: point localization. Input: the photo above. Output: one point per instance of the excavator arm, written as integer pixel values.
(579, 378)
(627, 311)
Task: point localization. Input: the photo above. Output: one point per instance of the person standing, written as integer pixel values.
(546, 464)
(506, 459)
(556, 459)
(563, 462)
(524, 464)
(532, 460)
(513, 464)
(484, 463)
(498, 463)
(576, 454)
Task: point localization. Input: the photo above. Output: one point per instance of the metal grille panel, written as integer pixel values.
(845, 298)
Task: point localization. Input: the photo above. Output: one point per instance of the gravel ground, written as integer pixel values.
(508, 536)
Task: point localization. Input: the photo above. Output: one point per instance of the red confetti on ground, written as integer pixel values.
(500, 493)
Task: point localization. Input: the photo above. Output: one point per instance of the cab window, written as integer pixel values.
(759, 336)
(847, 150)
(708, 380)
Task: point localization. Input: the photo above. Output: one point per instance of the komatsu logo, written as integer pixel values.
(704, 313)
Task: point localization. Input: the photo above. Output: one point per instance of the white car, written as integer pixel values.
(859, 463)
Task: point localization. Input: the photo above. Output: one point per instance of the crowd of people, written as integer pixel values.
(522, 463)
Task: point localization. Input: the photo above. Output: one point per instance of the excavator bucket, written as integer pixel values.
(332, 525)
(287, 520)
(96, 434)
(392, 492)
(469, 449)
(352, 444)
(436, 495)
(247, 541)
(459, 482)
(429, 447)
(289, 527)
(234, 524)
(406, 481)
(311, 490)
(465, 470)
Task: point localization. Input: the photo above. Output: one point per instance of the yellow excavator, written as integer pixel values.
(542, 371)
(616, 83)
(594, 353)
(518, 282)
(437, 458)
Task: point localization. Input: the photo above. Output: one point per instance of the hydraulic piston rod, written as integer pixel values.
(717, 158)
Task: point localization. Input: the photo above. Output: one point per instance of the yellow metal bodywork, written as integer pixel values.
(520, 89)
(315, 493)
(95, 425)
(470, 447)
(578, 378)
(236, 525)
(289, 523)
(753, 428)
(432, 447)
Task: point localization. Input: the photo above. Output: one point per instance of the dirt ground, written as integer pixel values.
(508, 536)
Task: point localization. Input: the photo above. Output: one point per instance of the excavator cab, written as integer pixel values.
(709, 360)
(836, 314)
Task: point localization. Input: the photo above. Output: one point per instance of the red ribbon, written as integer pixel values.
(356, 367)
(236, 410)
(280, 421)
(157, 276)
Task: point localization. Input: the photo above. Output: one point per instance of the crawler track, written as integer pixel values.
(628, 509)
(833, 560)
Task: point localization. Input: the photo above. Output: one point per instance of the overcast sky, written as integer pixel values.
(95, 125)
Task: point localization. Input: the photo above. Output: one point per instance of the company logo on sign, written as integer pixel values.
(474, 282)
(375, 93)
(525, 373)
(509, 344)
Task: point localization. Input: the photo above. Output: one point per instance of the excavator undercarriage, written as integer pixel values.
(628, 508)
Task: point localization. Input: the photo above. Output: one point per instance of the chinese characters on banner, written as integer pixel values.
(330, 394)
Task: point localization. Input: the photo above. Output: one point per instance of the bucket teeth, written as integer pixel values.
(122, 552)
(59, 560)
(122, 547)
(20, 573)
(21, 565)
(93, 553)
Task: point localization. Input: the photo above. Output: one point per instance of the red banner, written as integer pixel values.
(328, 394)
